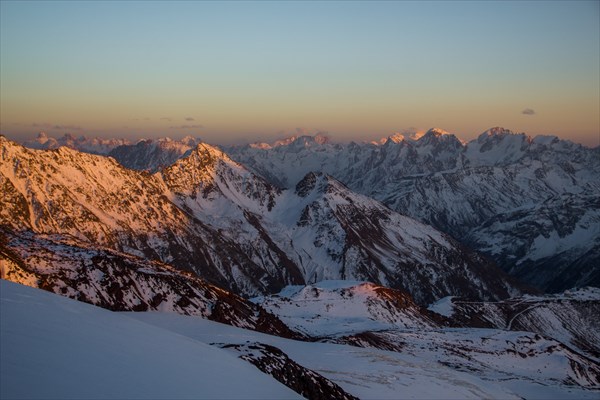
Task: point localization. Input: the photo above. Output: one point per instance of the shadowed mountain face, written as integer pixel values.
(209, 215)
(498, 194)
(569, 317)
(123, 282)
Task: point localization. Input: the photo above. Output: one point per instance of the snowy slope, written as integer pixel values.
(479, 191)
(344, 307)
(53, 347)
(122, 282)
(74, 350)
(344, 235)
(570, 317)
(94, 199)
(552, 245)
(426, 364)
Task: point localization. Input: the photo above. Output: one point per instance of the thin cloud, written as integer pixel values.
(57, 127)
(198, 126)
(46, 126)
(190, 119)
(528, 111)
(167, 119)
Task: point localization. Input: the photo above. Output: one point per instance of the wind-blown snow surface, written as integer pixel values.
(57, 348)
(53, 347)
(434, 364)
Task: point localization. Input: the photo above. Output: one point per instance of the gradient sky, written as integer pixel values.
(243, 71)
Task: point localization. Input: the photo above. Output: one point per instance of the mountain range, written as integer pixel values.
(209, 215)
(363, 268)
(530, 204)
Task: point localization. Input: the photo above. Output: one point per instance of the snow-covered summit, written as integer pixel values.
(335, 307)
(434, 132)
(496, 131)
(460, 188)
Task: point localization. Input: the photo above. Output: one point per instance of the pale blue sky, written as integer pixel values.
(248, 70)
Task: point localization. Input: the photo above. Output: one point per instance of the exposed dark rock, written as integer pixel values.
(274, 362)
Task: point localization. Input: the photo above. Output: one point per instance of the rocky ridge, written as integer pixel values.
(209, 215)
(482, 192)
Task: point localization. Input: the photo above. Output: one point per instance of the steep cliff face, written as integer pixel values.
(96, 200)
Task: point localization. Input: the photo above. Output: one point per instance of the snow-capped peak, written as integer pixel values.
(395, 138)
(415, 136)
(496, 131)
(437, 132)
(310, 141)
(260, 145)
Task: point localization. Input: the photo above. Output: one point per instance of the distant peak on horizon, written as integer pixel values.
(101, 144)
(415, 136)
(499, 131)
(304, 140)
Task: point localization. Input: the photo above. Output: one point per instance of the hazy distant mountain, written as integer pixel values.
(81, 143)
(153, 155)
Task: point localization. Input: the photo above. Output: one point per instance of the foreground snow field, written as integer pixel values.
(435, 364)
(54, 347)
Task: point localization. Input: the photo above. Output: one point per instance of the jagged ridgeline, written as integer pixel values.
(532, 204)
(211, 216)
